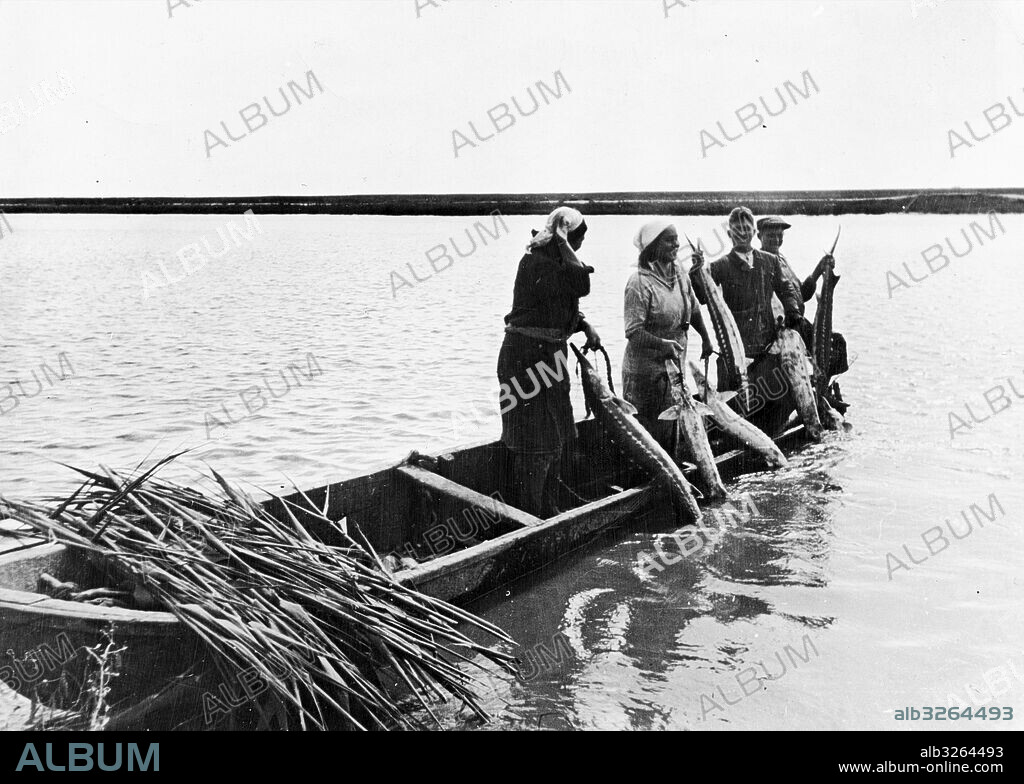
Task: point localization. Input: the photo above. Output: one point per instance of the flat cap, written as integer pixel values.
(772, 222)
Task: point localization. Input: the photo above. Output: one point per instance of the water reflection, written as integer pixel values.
(644, 644)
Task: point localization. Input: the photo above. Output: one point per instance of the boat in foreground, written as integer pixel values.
(440, 521)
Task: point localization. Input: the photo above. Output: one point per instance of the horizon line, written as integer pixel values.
(869, 200)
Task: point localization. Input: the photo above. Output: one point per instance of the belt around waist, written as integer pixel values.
(547, 334)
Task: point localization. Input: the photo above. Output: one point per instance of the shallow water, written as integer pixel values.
(803, 583)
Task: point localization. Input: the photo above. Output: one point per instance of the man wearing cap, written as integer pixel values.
(748, 278)
(769, 232)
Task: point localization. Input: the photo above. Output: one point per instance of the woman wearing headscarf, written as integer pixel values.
(660, 306)
(537, 422)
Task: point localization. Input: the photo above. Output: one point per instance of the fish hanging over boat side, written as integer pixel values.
(797, 372)
(619, 420)
(735, 426)
(732, 356)
(691, 438)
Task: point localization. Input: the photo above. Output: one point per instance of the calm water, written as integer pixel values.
(389, 374)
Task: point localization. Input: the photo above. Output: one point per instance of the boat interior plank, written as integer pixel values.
(467, 497)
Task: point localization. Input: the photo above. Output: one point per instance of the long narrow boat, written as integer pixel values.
(443, 517)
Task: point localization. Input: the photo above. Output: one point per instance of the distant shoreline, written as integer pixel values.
(870, 202)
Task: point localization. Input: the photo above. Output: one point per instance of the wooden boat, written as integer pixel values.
(445, 512)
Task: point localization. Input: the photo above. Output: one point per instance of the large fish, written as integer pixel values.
(619, 420)
(732, 356)
(735, 426)
(797, 373)
(822, 338)
(691, 438)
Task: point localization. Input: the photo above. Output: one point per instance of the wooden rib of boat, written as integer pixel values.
(446, 512)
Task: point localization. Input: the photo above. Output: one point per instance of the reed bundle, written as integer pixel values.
(320, 623)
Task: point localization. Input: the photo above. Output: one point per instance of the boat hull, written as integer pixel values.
(44, 640)
(400, 504)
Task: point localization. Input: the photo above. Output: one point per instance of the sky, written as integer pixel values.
(644, 85)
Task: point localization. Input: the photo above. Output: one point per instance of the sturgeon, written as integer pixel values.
(732, 355)
(619, 420)
(822, 337)
(794, 361)
(735, 426)
(691, 438)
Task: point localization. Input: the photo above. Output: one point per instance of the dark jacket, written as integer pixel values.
(748, 293)
(806, 287)
(536, 411)
(547, 291)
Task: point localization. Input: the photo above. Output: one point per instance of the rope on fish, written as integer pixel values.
(607, 365)
(586, 403)
(608, 368)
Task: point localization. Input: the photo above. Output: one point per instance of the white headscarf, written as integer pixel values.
(649, 232)
(569, 217)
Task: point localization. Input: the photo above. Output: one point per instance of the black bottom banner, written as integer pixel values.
(802, 756)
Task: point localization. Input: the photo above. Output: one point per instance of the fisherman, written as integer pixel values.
(769, 232)
(748, 278)
(537, 423)
(660, 306)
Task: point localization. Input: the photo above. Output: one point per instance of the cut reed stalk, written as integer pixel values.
(319, 623)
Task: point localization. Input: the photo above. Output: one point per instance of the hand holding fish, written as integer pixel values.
(697, 255)
(672, 348)
(827, 261)
(733, 364)
(593, 339)
(707, 349)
